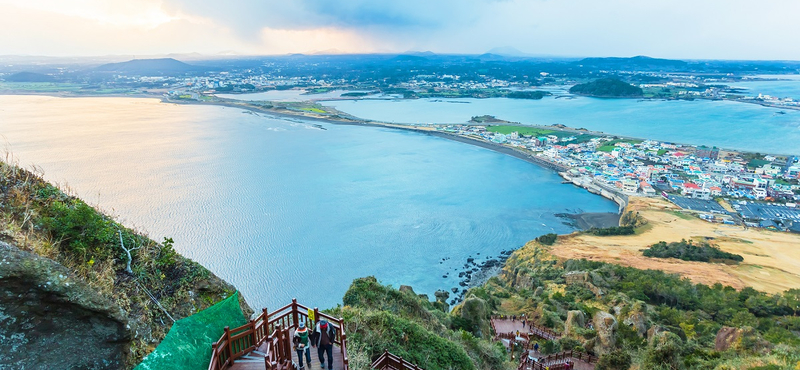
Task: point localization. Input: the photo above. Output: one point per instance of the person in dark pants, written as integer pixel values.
(301, 343)
(323, 338)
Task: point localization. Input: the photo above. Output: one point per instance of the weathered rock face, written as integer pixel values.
(638, 321)
(477, 311)
(575, 319)
(606, 326)
(655, 329)
(745, 339)
(538, 291)
(49, 320)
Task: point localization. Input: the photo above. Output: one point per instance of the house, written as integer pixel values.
(691, 190)
(630, 185)
(647, 189)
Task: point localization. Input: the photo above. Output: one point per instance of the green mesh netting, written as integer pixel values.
(187, 346)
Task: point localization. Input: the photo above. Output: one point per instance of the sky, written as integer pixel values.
(685, 29)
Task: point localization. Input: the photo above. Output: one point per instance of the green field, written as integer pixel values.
(609, 146)
(313, 110)
(533, 131)
(39, 86)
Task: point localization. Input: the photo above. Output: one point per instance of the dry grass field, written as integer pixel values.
(771, 259)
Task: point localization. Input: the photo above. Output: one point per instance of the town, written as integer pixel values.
(717, 185)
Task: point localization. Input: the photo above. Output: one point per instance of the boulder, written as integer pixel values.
(49, 316)
(476, 310)
(637, 321)
(606, 326)
(744, 339)
(575, 319)
(407, 289)
(538, 291)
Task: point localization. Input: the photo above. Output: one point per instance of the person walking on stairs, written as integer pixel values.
(323, 338)
(301, 343)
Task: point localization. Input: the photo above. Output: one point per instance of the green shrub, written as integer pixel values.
(611, 231)
(687, 251)
(547, 239)
(615, 360)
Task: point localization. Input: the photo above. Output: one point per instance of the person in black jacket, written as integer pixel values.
(323, 337)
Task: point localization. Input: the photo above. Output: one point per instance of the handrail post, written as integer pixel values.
(252, 324)
(294, 311)
(214, 358)
(228, 341)
(316, 316)
(265, 324)
(287, 344)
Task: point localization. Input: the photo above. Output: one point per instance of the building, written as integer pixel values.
(691, 190)
(630, 185)
(706, 152)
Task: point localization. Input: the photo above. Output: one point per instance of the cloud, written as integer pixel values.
(741, 29)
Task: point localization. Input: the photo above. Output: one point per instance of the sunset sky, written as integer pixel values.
(689, 29)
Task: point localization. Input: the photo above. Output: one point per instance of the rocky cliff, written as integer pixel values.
(67, 299)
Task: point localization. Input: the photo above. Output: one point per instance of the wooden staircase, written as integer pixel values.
(265, 343)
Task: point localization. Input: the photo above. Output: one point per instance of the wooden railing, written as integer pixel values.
(388, 361)
(532, 330)
(555, 361)
(274, 329)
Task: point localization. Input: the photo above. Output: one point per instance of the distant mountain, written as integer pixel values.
(152, 67)
(637, 62)
(29, 77)
(508, 51)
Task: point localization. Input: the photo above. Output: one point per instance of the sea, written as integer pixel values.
(725, 124)
(285, 208)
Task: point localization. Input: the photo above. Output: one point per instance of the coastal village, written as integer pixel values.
(717, 185)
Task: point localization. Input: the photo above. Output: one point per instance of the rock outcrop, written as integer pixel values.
(606, 326)
(51, 320)
(476, 311)
(744, 339)
(582, 278)
(575, 319)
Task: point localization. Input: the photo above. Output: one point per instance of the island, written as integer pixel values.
(607, 88)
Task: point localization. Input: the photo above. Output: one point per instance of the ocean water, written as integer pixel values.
(784, 86)
(720, 123)
(283, 209)
(294, 95)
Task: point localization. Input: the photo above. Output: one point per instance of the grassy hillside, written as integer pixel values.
(660, 321)
(38, 217)
(380, 317)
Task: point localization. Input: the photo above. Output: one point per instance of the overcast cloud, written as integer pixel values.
(690, 29)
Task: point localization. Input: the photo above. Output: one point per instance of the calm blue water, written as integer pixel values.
(720, 123)
(785, 86)
(282, 209)
(284, 95)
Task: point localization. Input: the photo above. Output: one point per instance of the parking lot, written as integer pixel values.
(697, 204)
(765, 211)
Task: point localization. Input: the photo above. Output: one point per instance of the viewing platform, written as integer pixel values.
(514, 332)
(266, 341)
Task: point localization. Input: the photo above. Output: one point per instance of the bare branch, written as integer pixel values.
(128, 252)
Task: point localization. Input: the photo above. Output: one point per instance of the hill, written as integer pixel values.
(151, 67)
(647, 319)
(28, 77)
(607, 88)
(66, 285)
(633, 63)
